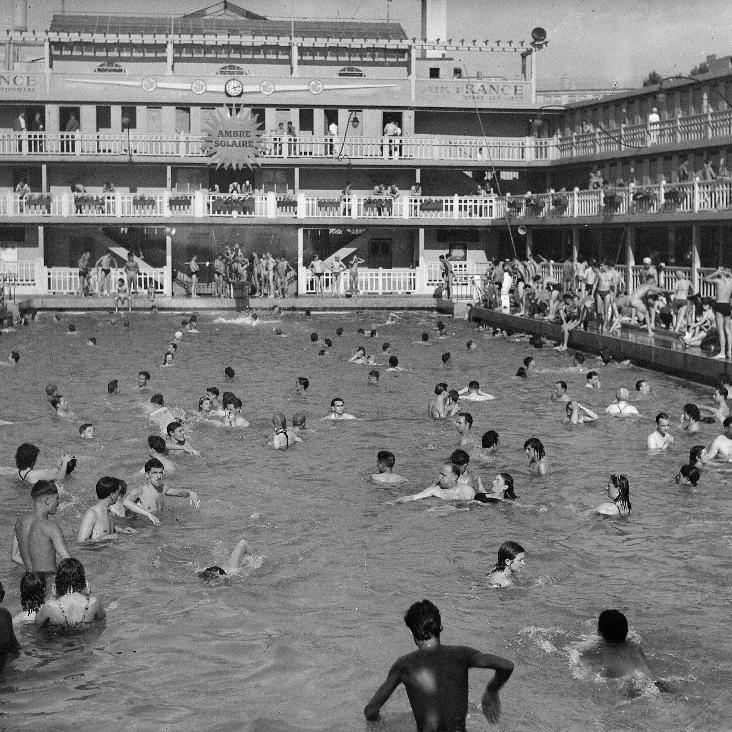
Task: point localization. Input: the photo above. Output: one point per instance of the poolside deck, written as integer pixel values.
(661, 352)
(198, 304)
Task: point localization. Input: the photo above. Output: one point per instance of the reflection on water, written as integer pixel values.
(301, 642)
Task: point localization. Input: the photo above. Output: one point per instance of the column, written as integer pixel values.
(421, 263)
(169, 58)
(300, 262)
(169, 177)
(41, 279)
(575, 244)
(629, 257)
(671, 245)
(296, 172)
(294, 60)
(695, 264)
(168, 284)
(529, 243)
(412, 72)
(44, 177)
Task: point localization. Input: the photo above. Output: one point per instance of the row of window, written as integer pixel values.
(114, 67)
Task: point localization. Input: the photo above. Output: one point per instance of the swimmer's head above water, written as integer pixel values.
(612, 626)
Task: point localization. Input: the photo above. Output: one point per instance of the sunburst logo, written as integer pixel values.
(233, 141)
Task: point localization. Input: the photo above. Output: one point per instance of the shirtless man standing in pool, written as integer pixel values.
(722, 278)
(437, 408)
(37, 540)
(721, 447)
(98, 522)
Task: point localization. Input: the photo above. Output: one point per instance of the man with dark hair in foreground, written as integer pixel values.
(436, 676)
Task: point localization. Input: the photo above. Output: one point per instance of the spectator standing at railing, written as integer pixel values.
(291, 139)
(722, 171)
(649, 274)
(84, 274)
(20, 128)
(447, 273)
(708, 170)
(234, 187)
(337, 268)
(390, 131)
(595, 183)
(132, 269)
(353, 274)
(317, 267)
(654, 124)
(682, 172)
(333, 133)
(71, 128)
(22, 189)
(722, 278)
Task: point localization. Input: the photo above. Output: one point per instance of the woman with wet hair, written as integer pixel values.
(511, 557)
(618, 490)
(73, 605)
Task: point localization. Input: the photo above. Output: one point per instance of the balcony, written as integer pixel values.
(679, 201)
(301, 149)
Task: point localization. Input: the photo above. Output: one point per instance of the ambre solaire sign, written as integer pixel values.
(233, 140)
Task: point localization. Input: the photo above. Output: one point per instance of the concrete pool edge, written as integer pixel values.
(685, 364)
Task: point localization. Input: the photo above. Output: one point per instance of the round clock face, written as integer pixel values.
(149, 84)
(198, 86)
(267, 88)
(316, 86)
(233, 88)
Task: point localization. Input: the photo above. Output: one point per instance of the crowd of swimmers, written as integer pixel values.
(54, 589)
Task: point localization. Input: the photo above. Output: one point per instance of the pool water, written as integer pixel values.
(303, 642)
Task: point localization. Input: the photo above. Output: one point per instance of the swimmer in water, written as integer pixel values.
(618, 491)
(612, 655)
(687, 475)
(148, 499)
(593, 380)
(501, 490)
(359, 356)
(280, 440)
(537, 456)
(143, 379)
(463, 425)
(25, 461)
(158, 449)
(690, 419)
(87, 431)
(446, 487)
(177, 439)
(488, 446)
(61, 404)
(559, 392)
(424, 340)
(232, 414)
(13, 359)
(721, 447)
(643, 389)
(167, 360)
(720, 410)
(97, 522)
(579, 414)
(233, 565)
(337, 407)
(472, 393)
(511, 558)
(394, 368)
(373, 378)
(460, 459)
(621, 408)
(436, 676)
(385, 461)
(660, 439)
(299, 427)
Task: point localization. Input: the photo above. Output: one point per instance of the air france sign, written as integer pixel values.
(482, 92)
(12, 82)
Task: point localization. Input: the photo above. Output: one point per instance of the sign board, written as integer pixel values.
(482, 93)
(21, 83)
(232, 141)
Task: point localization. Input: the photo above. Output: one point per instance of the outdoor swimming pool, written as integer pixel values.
(303, 642)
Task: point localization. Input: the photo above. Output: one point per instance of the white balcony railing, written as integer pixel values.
(65, 280)
(396, 281)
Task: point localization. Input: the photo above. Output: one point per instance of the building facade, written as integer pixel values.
(337, 139)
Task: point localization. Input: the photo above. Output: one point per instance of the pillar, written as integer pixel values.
(169, 177)
(575, 244)
(41, 280)
(168, 284)
(695, 244)
(294, 60)
(629, 257)
(529, 243)
(300, 262)
(296, 183)
(671, 246)
(44, 177)
(169, 58)
(421, 263)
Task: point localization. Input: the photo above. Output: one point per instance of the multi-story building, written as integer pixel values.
(118, 134)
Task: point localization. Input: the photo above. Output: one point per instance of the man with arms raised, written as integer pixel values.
(37, 540)
(436, 676)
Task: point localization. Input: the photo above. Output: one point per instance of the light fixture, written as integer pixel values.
(170, 230)
(355, 122)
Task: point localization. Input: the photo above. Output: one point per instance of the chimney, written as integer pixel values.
(20, 15)
(434, 24)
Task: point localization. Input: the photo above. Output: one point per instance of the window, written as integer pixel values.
(457, 73)
(353, 71)
(232, 70)
(434, 72)
(109, 67)
(104, 117)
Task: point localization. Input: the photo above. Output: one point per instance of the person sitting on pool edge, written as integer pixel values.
(233, 565)
(385, 461)
(511, 557)
(446, 487)
(436, 676)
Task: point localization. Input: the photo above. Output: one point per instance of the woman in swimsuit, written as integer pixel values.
(511, 557)
(280, 439)
(32, 597)
(73, 604)
(618, 490)
(537, 456)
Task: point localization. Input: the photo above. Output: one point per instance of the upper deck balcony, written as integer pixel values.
(300, 150)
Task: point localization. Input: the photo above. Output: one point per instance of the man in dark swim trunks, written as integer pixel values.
(436, 676)
(722, 278)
